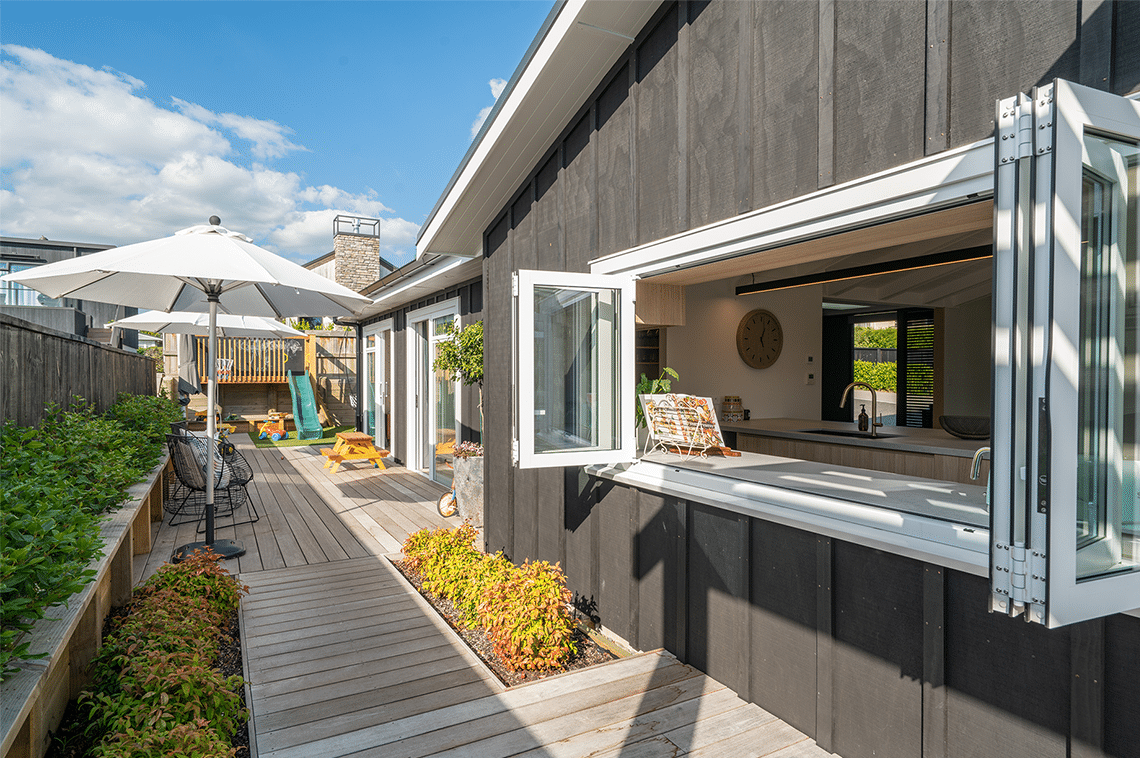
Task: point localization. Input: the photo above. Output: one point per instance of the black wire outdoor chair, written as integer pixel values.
(231, 475)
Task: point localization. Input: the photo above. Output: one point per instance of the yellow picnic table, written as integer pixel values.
(352, 446)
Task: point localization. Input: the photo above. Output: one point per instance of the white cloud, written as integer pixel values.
(497, 87)
(86, 158)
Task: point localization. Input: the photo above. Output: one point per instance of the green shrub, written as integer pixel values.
(523, 609)
(154, 686)
(881, 376)
(58, 480)
(527, 619)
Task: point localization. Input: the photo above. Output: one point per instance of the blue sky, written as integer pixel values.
(121, 122)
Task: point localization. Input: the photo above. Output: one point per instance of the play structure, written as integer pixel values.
(305, 414)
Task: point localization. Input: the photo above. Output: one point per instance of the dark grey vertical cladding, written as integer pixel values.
(657, 149)
(660, 573)
(785, 104)
(880, 57)
(524, 256)
(579, 227)
(498, 495)
(715, 136)
(549, 256)
(614, 186)
(877, 698)
(1125, 43)
(1000, 49)
(472, 420)
(547, 216)
(1122, 686)
(579, 514)
(783, 611)
(1007, 681)
(616, 513)
(937, 77)
(717, 594)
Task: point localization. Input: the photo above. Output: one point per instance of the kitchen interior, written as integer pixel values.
(928, 276)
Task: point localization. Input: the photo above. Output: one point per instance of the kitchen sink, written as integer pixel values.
(847, 433)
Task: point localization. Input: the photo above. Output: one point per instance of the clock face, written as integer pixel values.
(759, 339)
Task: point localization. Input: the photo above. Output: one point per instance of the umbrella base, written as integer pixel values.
(224, 548)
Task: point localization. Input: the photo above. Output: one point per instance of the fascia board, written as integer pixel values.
(951, 178)
(406, 290)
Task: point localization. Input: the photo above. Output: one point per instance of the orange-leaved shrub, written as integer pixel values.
(524, 609)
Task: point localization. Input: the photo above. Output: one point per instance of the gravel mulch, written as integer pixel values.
(590, 653)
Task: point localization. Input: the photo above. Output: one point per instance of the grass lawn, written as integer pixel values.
(328, 437)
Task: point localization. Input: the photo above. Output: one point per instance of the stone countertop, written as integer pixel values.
(906, 439)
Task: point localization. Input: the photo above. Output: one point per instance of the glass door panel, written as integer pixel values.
(443, 407)
(369, 385)
(1107, 389)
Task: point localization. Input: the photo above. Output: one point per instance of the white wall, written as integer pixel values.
(703, 352)
(968, 358)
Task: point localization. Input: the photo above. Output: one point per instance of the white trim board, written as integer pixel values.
(956, 177)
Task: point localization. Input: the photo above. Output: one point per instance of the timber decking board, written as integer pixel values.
(343, 655)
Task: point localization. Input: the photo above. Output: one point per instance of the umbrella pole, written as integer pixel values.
(224, 548)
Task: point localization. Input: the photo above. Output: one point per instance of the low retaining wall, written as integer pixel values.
(35, 697)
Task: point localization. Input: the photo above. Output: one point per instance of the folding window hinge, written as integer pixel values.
(515, 451)
(514, 285)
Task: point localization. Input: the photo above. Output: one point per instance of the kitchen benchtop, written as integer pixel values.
(929, 441)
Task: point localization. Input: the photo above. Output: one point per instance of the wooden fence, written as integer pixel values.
(41, 366)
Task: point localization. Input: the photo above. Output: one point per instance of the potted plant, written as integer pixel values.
(647, 386)
(460, 357)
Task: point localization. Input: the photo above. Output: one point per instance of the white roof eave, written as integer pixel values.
(579, 43)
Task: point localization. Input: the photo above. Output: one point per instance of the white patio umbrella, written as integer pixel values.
(183, 322)
(201, 269)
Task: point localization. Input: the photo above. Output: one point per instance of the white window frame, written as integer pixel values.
(524, 431)
(415, 432)
(1037, 237)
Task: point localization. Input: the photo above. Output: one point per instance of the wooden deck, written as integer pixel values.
(344, 657)
(310, 516)
(347, 658)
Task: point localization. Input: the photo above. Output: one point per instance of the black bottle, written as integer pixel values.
(864, 422)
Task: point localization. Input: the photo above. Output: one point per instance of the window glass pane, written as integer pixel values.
(576, 352)
(1107, 532)
(439, 325)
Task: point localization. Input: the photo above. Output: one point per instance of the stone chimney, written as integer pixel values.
(356, 244)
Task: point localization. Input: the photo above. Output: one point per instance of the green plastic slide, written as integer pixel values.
(304, 407)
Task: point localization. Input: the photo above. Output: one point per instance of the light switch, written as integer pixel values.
(809, 377)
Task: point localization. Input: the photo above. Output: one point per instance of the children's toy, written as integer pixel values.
(273, 428)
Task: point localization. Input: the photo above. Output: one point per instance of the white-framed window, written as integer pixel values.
(1065, 542)
(575, 369)
(433, 401)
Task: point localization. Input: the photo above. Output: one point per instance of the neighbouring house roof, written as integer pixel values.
(578, 43)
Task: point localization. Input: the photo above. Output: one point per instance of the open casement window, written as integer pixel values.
(1065, 526)
(574, 376)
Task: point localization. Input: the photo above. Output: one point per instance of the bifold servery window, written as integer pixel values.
(1065, 537)
(575, 375)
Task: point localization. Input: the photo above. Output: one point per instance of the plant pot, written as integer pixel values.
(469, 489)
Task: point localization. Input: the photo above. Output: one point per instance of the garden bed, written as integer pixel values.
(590, 651)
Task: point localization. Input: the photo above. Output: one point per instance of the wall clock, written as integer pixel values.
(759, 338)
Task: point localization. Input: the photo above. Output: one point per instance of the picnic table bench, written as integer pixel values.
(353, 446)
